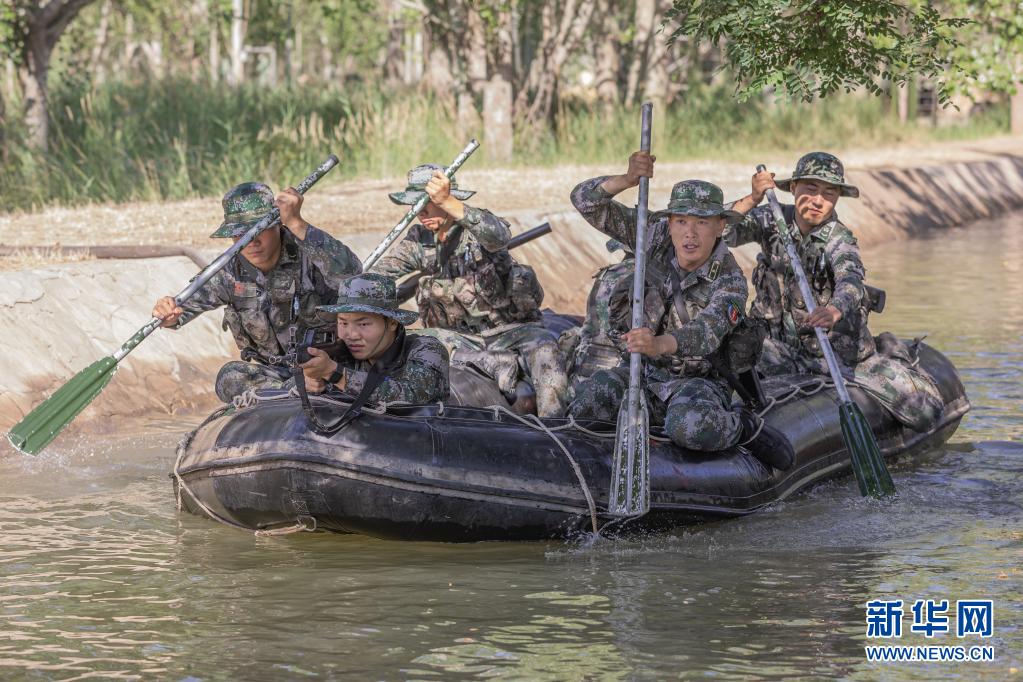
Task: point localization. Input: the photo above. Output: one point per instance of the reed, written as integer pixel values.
(156, 140)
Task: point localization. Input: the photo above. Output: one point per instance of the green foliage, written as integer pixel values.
(814, 48)
(174, 139)
(991, 49)
(13, 14)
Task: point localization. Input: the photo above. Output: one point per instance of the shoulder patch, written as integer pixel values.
(733, 314)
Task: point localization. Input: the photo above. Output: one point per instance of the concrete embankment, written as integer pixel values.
(56, 320)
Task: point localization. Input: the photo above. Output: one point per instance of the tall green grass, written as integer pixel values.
(174, 139)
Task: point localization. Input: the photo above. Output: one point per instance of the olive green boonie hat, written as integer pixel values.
(244, 206)
(417, 179)
(699, 198)
(820, 166)
(369, 293)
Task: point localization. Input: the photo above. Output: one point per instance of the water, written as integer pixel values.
(101, 577)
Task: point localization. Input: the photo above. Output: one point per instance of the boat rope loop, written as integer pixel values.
(533, 422)
(303, 524)
(803, 390)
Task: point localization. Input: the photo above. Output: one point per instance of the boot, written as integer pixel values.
(770, 445)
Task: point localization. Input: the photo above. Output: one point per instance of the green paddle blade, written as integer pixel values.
(868, 464)
(41, 425)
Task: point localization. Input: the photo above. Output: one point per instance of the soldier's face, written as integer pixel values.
(815, 200)
(367, 335)
(694, 238)
(263, 251)
(433, 217)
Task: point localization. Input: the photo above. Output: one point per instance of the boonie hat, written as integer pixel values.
(416, 188)
(820, 166)
(369, 293)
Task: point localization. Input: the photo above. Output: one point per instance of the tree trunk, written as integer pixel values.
(237, 42)
(640, 44)
(607, 55)
(571, 27)
(1016, 110)
(43, 27)
(476, 49)
(497, 119)
(656, 83)
(214, 56)
(96, 64)
(437, 76)
(394, 56)
(902, 102)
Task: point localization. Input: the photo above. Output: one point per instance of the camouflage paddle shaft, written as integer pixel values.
(630, 480)
(871, 473)
(45, 422)
(396, 231)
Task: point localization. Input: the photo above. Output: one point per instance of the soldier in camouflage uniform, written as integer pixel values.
(377, 352)
(695, 298)
(272, 285)
(831, 260)
(485, 305)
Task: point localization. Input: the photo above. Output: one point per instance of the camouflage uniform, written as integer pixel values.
(260, 309)
(473, 287)
(598, 342)
(698, 308)
(831, 260)
(418, 370)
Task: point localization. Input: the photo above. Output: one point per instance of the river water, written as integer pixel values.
(101, 577)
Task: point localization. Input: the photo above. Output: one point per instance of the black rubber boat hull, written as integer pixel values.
(461, 474)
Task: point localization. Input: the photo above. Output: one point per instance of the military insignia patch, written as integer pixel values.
(239, 288)
(715, 268)
(733, 314)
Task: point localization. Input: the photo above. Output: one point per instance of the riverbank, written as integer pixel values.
(58, 318)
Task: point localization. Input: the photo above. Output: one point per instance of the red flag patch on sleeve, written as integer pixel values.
(733, 314)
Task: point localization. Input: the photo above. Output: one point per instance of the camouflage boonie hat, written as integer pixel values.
(244, 206)
(820, 166)
(699, 198)
(369, 293)
(417, 179)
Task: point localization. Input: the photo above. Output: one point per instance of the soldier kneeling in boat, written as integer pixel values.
(273, 285)
(377, 360)
(831, 259)
(474, 296)
(694, 307)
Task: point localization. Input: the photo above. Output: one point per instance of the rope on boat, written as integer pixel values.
(533, 422)
(796, 392)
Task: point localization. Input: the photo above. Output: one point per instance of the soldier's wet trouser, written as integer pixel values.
(237, 376)
(909, 394)
(531, 346)
(696, 412)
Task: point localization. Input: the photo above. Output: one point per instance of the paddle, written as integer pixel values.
(871, 473)
(630, 475)
(41, 425)
(396, 231)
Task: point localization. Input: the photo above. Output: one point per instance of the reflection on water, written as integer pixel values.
(101, 577)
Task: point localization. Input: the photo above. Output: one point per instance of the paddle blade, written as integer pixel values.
(41, 425)
(868, 464)
(630, 475)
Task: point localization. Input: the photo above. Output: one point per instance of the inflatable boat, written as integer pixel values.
(458, 474)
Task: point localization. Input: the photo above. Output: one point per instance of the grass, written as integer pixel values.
(158, 140)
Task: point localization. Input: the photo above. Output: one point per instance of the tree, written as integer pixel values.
(32, 29)
(813, 48)
(991, 53)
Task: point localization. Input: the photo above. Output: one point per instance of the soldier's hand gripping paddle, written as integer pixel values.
(41, 425)
(416, 208)
(868, 464)
(630, 473)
